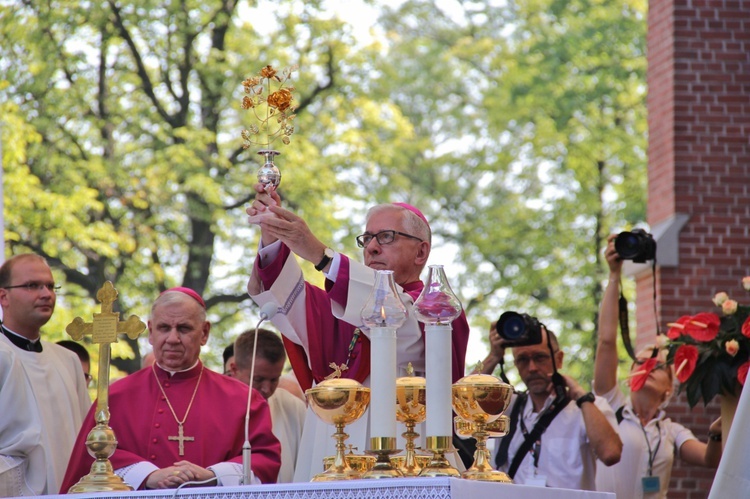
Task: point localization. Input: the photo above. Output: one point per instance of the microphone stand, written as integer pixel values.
(267, 311)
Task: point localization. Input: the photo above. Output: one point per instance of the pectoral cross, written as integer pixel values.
(181, 438)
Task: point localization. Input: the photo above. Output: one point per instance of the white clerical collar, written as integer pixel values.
(172, 373)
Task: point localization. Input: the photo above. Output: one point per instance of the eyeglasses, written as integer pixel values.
(89, 378)
(383, 237)
(538, 358)
(36, 286)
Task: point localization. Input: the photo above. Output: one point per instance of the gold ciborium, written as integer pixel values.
(481, 399)
(338, 402)
(410, 410)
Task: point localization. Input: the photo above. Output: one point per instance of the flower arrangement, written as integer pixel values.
(272, 108)
(711, 352)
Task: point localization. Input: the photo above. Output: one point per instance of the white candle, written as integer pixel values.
(382, 382)
(438, 377)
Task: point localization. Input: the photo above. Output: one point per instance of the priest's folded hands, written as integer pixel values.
(182, 472)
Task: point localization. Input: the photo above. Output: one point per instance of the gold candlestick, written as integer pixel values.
(101, 442)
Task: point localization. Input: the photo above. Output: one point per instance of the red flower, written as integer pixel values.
(685, 358)
(639, 379)
(742, 372)
(703, 326)
(677, 329)
(746, 327)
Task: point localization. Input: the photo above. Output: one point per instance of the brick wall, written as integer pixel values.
(699, 165)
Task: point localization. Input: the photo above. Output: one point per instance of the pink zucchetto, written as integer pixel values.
(414, 210)
(190, 292)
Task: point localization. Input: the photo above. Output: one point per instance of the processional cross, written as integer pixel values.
(101, 442)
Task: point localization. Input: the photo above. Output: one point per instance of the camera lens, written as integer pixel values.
(627, 245)
(513, 326)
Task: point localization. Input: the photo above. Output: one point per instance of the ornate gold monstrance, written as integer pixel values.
(101, 442)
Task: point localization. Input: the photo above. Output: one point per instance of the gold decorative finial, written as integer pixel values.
(273, 109)
(409, 370)
(337, 370)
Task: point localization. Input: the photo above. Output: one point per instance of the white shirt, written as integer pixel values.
(624, 478)
(566, 459)
(60, 400)
(288, 418)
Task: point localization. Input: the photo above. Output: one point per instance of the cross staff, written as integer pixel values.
(103, 331)
(101, 441)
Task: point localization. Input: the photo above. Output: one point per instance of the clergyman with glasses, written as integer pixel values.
(651, 440)
(33, 460)
(321, 326)
(557, 430)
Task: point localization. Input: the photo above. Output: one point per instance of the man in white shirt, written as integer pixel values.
(582, 430)
(56, 393)
(287, 411)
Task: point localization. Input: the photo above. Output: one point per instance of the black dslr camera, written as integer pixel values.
(519, 330)
(637, 245)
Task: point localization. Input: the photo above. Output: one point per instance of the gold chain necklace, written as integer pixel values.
(181, 438)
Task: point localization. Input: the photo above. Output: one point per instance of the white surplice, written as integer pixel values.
(56, 389)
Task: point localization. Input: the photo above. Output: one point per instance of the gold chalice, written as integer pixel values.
(338, 401)
(481, 399)
(410, 410)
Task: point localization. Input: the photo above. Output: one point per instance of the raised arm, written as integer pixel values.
(604, 440)
(605, 367)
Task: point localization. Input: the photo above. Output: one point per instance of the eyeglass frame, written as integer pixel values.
(526, 360)
(35, 286)
(363, 244)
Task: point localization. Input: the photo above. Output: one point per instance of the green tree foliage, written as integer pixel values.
(538, 114)
(519, 128)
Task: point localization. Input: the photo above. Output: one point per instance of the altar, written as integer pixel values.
(402, 488)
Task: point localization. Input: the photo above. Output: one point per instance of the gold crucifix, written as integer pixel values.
(181, 438)
(101, 440)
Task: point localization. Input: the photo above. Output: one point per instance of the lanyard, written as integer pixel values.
(652, 455)
(536, 449)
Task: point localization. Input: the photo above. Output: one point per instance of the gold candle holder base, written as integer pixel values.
(101, 445)
(439, 465)
(340, 469)
(382, 448)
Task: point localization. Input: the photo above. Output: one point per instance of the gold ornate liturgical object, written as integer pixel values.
(410, 410)
(481, 399)
(338, 401)
(101, 442)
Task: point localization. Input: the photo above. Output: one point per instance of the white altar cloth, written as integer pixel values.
(398, 488)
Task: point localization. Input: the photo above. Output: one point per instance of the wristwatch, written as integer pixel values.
(327, 257)
(589, 397)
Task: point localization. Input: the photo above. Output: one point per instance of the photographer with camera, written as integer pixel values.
(650, 439)
(557, 429)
